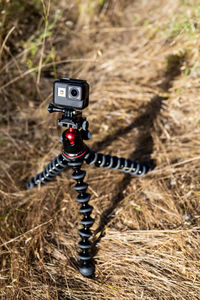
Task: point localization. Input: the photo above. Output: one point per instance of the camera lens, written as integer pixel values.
(74, 92)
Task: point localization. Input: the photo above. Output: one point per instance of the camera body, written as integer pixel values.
(71, 93)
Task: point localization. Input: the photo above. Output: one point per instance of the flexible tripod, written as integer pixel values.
(74, 153)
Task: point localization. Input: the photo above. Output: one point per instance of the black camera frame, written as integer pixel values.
(71, 93)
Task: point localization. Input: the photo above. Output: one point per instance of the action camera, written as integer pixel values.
(72, 93)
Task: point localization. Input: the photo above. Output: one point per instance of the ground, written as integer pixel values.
(141, 59)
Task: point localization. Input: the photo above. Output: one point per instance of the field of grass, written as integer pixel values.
(142, 61)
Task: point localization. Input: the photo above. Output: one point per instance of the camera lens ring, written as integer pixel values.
(74, 92)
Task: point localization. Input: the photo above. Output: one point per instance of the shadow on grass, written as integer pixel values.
(142, 153)
(144, 147)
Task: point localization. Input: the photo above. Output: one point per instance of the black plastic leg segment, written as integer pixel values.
(86, 267)
(116, 163)
(55, 167)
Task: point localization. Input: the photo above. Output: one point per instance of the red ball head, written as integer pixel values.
(71, 135)
(73, 145)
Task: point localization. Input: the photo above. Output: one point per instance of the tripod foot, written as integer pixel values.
(30, 184)
(86, 269)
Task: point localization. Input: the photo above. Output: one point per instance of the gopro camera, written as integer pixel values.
(72, 93)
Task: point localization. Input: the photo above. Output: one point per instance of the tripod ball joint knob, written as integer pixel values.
(85, 125)
(52, 108)
(85, 134)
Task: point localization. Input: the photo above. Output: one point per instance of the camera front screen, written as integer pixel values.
(72, 93)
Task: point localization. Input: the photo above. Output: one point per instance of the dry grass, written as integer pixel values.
(141, 59)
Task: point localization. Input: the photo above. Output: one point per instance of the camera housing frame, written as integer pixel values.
(71, 93)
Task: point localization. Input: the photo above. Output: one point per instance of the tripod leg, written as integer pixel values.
(86, 268)
(116, 163)
(55, 167)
